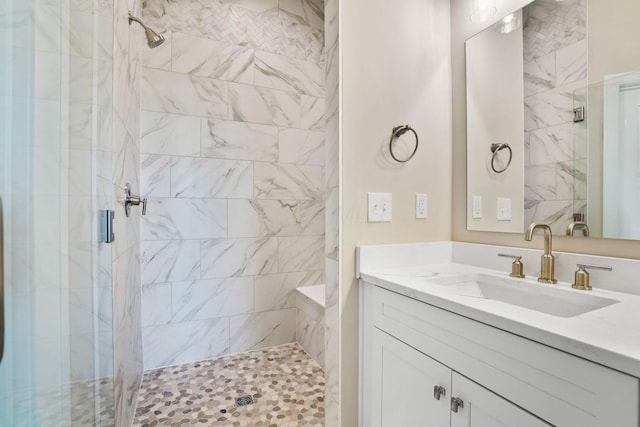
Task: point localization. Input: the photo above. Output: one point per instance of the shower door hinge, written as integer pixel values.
(106, 226)
(578, 114)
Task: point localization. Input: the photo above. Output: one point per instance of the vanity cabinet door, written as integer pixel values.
(481, 408)
(403, 381)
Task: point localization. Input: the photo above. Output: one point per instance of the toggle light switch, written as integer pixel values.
(379, 207)
(477, 207)
(504, 209)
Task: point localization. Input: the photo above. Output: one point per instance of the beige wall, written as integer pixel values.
(401, 74)
(462, 29)
(614, 37)
(396, 70)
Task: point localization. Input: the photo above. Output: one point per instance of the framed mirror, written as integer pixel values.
(553, 119)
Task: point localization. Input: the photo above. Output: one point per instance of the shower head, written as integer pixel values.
(154, 39)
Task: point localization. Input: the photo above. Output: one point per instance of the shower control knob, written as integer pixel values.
(131, 200)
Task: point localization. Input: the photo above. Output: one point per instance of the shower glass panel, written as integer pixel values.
(55, 177)
(582, 156)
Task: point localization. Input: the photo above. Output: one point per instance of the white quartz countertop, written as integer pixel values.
(609, 336)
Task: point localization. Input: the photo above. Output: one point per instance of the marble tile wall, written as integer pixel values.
(310, 327)
(232, 161)
(128, 45)
(555, 55)
(333, 215)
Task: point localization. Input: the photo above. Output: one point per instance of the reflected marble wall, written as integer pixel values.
(232, 142)
(555, 55)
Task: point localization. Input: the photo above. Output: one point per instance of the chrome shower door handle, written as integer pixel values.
(2, 324)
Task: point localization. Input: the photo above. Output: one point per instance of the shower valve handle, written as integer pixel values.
(131, 200)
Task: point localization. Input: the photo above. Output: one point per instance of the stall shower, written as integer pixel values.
(215, 114)
(232, 143)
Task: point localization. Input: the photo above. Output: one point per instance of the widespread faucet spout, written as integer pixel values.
(547, 235)
(547, 271)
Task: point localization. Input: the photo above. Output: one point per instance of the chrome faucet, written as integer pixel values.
(547, 260)
(578, 225)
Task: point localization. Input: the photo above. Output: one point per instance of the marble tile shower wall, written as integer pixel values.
(232, 161)
(127, 323)
(332, 216)
(555, 65)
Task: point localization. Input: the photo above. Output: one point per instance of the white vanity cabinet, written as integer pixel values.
(408, 348)
(412, 390)
(481, 408)
(402, 385)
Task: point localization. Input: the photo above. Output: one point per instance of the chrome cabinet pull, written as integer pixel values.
(1, 282)
(439, 391)
(131, 200)
(456, 403)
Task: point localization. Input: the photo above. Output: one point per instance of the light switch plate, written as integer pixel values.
(422, 206)
(504, 209)
(477, 207)
(379, 207)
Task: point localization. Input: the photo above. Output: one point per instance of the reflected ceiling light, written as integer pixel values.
(481, 10)
(508, 24)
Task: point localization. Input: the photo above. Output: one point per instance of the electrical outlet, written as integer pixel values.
(477, 207)
(379, 207)
(504, 209)
(422, 211)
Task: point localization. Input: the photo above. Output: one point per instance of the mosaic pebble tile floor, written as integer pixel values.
(284, 383)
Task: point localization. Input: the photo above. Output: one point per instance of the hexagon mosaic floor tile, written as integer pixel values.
(275, 387)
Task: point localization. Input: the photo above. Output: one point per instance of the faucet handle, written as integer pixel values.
(517, 267)
(131, 200)
(581, 278)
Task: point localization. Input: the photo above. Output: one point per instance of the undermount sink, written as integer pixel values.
(533, 296)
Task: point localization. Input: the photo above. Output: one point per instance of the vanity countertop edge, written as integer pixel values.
(609, 336)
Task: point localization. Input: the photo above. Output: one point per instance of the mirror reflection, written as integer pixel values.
(558, 82)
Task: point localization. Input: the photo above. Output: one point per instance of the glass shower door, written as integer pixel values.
(55, 177)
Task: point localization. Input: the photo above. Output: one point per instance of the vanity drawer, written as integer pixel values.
(560, 388)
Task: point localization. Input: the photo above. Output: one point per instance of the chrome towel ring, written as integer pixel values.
(397, 132)
(495, 149)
